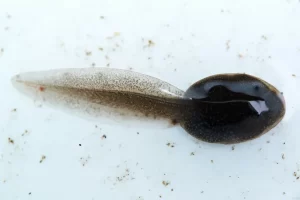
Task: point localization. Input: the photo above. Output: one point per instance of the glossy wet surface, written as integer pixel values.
(232, 108)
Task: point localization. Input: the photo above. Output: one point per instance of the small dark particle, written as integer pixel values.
(88, 53)
(80, 145)
(212, 161)
(103, 137)
(43, 158)
(150, 43)
(25, 132)
(29, 193)
(170, 145)
(160, 196)
(283, 156)
(268, 141)
(14, 110)
(202, 192)
(11, 141)
(172, 190)
(283, 193)
(166, 183)
(1, 50)
(294, 75)
(107, 65)
(96, 126)
(295, 173)
(100, 49)
(192, 153)
(6, 28)
(102, 17)
(175, 70)
(149, 58)
(298, 177)
(93, 64)
(284, 143)
(137, 133)
(232, 148)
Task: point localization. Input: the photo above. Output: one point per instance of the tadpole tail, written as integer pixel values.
(103, 90)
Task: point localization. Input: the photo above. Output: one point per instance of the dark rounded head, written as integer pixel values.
(232, 108)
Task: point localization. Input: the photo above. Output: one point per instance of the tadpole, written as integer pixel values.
(222, 108)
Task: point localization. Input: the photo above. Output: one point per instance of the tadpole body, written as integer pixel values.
(223, 108)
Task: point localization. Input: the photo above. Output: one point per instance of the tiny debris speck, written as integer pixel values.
(25, 132)
(103, 137)
(150, 43)
(88, 53)
(264, 37)
(228, 45)
(42, 158)
(166, 183)
(283, 156)
(172, 145)
(192, 153)
(11, 141)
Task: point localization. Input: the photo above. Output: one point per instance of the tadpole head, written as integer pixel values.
(232, 108)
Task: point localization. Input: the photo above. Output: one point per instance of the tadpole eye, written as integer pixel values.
(226, 109)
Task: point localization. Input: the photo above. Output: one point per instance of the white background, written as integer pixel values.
(192, 39)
